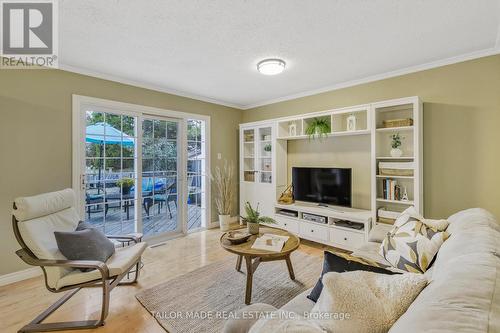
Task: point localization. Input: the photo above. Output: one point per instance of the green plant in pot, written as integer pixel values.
(253, 219)
(395, 144)
(126, 184)
(318, 127)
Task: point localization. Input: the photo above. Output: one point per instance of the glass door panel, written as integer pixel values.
(110, 171)
(196, 174)
(249, 167)
(159, 176)
(265, 150)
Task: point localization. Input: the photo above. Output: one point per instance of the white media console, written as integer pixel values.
(345, 228)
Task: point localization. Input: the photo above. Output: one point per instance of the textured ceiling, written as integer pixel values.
(209, 48)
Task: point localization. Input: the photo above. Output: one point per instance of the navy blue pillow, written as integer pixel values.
(334, 263)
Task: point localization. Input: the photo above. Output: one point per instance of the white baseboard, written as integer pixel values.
(19, 275)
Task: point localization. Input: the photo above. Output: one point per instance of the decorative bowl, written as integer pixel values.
(237, 237)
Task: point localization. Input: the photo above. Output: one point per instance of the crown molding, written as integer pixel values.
(382, 76)
(408, 70)
(140, 84)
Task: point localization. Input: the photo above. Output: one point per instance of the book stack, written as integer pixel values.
(270, 242)
(392, 190)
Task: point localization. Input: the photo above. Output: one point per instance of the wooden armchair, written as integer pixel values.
(34, 221)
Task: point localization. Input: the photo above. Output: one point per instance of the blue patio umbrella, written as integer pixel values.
(105, 133)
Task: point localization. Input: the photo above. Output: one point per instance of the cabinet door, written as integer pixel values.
(264, 156)
(248, 155)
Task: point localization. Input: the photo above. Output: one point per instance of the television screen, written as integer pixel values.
(331, 186)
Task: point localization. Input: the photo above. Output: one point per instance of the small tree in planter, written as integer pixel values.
(126, 184)
(224, 198)
(253, 219)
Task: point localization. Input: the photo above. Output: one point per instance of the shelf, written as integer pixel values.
(266, 157)
(252, 157)
(395, 158)
(392, 129)
(265, 141)
(409, 203)
(252, 142)
(342, 133)
(265, 171)
(395, 177)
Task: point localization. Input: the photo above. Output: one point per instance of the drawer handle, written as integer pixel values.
(285, 224)
(345, 238)
(312, 230)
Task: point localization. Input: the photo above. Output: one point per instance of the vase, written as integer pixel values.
(253, 228)
(224, 221)
(396, 152)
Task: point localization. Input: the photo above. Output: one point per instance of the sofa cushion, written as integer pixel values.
(342, 262)
(372, 302)
(245, 318)
(413, 242)
(464, 294)
(118, 263)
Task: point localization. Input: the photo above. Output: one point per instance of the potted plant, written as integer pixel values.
(126, 184)
(395, 144)
(224, 185)
(318, 127)
(268, 148)
(253, 219)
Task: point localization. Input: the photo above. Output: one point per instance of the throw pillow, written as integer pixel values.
(373, 302)
(413, 242)
(343, 262)
(88, 244)
(84, 225)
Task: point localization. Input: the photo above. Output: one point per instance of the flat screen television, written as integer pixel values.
(326, 186)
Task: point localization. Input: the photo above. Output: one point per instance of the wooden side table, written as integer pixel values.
(253, 257)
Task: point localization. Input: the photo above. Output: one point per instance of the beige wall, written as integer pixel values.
(35, 134)
(341, 152)
(461, 129)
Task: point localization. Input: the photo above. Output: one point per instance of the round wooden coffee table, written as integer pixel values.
(254, 257)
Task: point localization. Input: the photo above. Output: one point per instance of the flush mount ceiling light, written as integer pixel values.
(271, 66)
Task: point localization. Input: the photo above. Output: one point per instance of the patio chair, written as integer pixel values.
(34, 221)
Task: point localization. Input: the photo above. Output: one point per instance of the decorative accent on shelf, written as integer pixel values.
(404, 197)
(268, 148)
(318, 127)
(292, 128)
(253, 219)
(351, 123)
(395, 144)
(398, 122)
(286, 198)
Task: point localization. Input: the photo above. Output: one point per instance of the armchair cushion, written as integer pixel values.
(86, 244)
(118, 263)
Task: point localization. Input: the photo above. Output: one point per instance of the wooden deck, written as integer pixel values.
(158, 221)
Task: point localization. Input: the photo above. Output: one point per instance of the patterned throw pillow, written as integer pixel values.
(413, 242)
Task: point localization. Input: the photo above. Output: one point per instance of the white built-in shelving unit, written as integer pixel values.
(257, 187)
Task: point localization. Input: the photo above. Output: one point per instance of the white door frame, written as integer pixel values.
(78, 122)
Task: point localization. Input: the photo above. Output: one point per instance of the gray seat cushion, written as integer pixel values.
(87, 244)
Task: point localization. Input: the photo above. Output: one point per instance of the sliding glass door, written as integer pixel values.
(110, 172)
(160, 213)
(140, 172)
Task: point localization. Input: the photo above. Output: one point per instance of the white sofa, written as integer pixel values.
(463, 294)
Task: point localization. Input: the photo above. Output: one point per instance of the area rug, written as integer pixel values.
(202, 300)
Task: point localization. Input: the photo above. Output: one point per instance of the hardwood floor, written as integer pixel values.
(23, 301)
